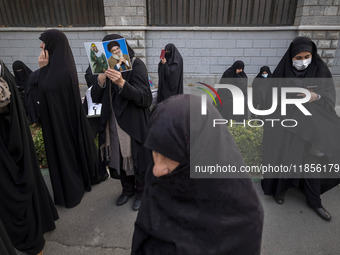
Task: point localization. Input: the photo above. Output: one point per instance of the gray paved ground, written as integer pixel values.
(98, 226)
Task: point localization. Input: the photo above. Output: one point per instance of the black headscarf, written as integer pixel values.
(61, 59)
(316, 69)
(231, 71)
(21, 73)
(70, 149)
(183, 215)
(264, 69)
(26, 208)
(301, 44)
(170, 74)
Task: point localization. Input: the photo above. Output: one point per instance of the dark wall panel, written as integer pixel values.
(30, 13)
(221, 12)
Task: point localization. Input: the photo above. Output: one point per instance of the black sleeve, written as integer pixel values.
(32, 98)
(33, 78)
(97, 92)
(137, 89)
(89, 77)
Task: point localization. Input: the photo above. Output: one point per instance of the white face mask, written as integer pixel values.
(264, 75)
(301, 64)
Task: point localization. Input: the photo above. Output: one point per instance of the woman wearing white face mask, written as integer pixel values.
(302, 60)
(315, 140)
(260, 86)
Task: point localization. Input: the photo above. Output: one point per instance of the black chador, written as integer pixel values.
(260, 86)
(234, 75)
(183, 215)
(26, 207)
(170, 74)
(71, 151)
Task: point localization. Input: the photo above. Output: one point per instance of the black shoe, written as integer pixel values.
(114, 173)
(136, 204)
(104, 177)
(322, 212)
(122, 199)
(279, 200)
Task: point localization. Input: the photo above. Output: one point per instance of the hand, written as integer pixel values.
(163, 60)
(101, 79)
(313, 96)
(43, 58)
(121, 60)
(115, 77)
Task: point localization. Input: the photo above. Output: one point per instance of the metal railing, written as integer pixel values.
(221, 12)
(62, 13)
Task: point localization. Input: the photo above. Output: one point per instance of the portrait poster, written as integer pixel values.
(112, 54)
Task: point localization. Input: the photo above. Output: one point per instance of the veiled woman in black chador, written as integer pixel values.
(170, 73)
(183, 215)
(21, 74)
(26, 207)
(316, 138)
(70, 149)
(234, 75)
(27, 84)
(260, 86)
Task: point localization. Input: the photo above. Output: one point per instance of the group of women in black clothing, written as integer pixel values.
(26, 208)
(153, 152)
(314, 141)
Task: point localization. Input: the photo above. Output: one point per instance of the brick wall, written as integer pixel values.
(326, 42)
(322, 14)
(207, 55)
(24, 46)
(318, 12)
(125, 12)
(336, 64)
(128, 13)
